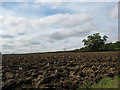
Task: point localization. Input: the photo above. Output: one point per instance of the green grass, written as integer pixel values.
(103, 83)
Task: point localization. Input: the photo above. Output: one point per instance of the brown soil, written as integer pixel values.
(57, 70)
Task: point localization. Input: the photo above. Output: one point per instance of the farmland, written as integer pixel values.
(58, 70)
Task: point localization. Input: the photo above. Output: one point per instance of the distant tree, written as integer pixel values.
(118, 44)
(95, 42)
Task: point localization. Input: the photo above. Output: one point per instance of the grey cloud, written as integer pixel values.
(57, 36)
(118, 35)
(7, 36)
(8, 46)
(30, 42)
(74, 33)
(35, 43)
(23, 33)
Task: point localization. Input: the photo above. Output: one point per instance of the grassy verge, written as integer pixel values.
(103, 83)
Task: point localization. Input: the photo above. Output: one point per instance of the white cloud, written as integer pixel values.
(61, 0)
(19, 25)
(114, 12)
(18, 31)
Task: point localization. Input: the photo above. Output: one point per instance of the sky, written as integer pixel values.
(52, 26)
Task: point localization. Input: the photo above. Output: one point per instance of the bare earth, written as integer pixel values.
(57, 70)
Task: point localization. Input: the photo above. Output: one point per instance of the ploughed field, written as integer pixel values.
(57, 70)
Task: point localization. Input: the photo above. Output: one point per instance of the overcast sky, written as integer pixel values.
(43, 26)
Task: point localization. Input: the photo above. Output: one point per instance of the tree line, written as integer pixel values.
(96, 42)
